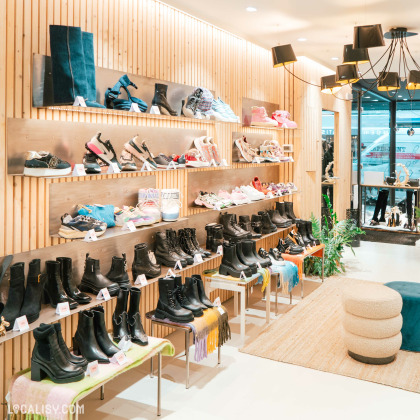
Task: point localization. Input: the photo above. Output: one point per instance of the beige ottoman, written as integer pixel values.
(372, 322)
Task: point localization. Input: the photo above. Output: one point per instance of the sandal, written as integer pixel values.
(111, 96)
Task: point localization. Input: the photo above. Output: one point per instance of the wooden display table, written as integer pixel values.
(45, 395)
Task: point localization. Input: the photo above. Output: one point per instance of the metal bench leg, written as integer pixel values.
(187, 357)
(102, 392)
(151, 359)
(159, 383)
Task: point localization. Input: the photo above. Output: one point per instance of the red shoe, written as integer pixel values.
(256, 183)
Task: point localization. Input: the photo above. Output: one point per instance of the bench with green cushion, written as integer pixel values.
(410, 293)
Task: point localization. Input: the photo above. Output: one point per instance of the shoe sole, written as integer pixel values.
(164, 315)
(46, 172)
(68, 233)
(193, 164)
(90, 289)
(164, 262)
(224, 270)
(96, 150)
(263, 124)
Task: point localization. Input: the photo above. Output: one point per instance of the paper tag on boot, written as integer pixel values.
(125, 344)
(134, 107)
(92, 368)
(129, 226)
(63, 309)
(259, 265)
(21, 324)
(103, 294)
(79, 101)
(198, 258)
(113, 169)
(242, 276)
(90, 236)
(141, 280)
(79, 170)
(119, 358)
(217, 301)
(220, 309)
(179, 265)
(154, 110)
(220, 250)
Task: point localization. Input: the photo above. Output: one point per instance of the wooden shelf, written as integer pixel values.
(269, 128)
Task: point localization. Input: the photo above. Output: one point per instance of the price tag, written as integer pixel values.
(213, 163)
(220, 250)
(223, 163)
(179, 265)
(171, 165)
(198, 258)
(170, 273)
(134, 107)
(147, 167)
(129, 226)
(259, 265)
(79, 101)
(242, 276)
(217, 302)
(220, 309)
(217, 206)
(141, 279)
(113, 168)
(125, 344)
(155, 110)
(63, 309)
(103, 294)
(21, 324)
(270, 195)
(79, 170)
(90, 236)
(256, 160)
(119, 358)
(92, 368)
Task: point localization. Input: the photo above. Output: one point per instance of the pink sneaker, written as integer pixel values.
(260, 118)
(283, 119)
(238, 197)
(224, 194)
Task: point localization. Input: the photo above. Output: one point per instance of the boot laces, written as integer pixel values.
(179, 295)
(171, 298)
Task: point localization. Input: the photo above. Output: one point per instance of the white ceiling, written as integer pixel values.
(326, 24)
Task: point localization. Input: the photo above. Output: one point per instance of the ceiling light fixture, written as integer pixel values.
(251, 9)
(329, 85)
(346, 74)
(302, 39)
(355, 55)
(334, 58)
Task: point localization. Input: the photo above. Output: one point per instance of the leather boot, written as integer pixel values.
(194, 240)
(209, 238)
(183, 298)
(84, 340)
(230, 265)
(135, 326)
(276, 254)
(201, 291)
(78, 361)
(256, 224)
(49, 361)
(168, 305)
(191, 292)
(164, 252)
(278, 220)
(186, 243)
(93, 280)
(120, 316)
(230, 230)
(142, 263)
(288, 206)
(310, 234)
(244, 260)
(16, 293)
(301, 227)
(118, 272)
(160, 100)
(101, 333)
(33, 294)
(53, 287)
(69, 283)
(281, 208)
(249, 248)
(174, 240)
(267, 225)
(245, 224)
(214, 236)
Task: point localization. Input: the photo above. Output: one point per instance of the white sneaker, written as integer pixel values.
(252, 193)
(170, 204)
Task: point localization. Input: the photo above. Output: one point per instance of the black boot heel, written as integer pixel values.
(37, 373)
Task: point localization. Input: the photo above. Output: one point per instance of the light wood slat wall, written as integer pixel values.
(151, 39)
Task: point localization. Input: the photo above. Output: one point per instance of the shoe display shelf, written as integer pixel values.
(25, 393)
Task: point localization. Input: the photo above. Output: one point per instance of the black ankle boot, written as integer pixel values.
(288, 206)
(201, 291)
(249, 248)
(164, 252)
(84, 340)
(184, 300)
(93, 280)
(244, 260)
(33, 294)
(120, 316)
(279, 220)
(230, 265)
(214, 236)
(245, 224)
(69, 283)
(230, 229)
(160, 100)
(118, 272)
(186, 243)
(78, 361)
(281, 208)
(168, 305)
(191, 292)
(49, 361)
(301, 227)
(194, 240)
(16, 293)
(256, 224)
(175, 244)
(310, 234)
(267, 225)
(101, 333)
(53, 287)
(142, 263)
(135, 326)
(210, 238)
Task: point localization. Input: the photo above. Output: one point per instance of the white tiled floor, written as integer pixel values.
(248, 387)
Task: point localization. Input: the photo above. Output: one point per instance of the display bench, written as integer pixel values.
(40, 397)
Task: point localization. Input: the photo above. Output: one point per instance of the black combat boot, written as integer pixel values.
(288, 206)
(33, 294)
(281, 208)
(181, 293)
(243, 259)
(256, 224)
(118, 272)
(101, 333)
(267, 225)
(168, 305)
(135, 326)
(120, 316)
(160, 100)
(191, 292)
(164, 252)
(230, 229)
(230, 265)
(249, 248)
(245, 224)
(279, 220)
(201, 291)
(175, 243)
(142, 263)
(186, 243)
(301, 226)
(194, 240)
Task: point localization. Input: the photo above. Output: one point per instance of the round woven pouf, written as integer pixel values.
(372, 322)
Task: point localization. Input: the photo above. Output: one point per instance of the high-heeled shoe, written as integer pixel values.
(113, 102)
(160, 100)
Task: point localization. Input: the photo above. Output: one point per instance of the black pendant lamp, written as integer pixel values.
(413, 82)
(388, 81)
(282, 55)
(329, 85)
(346, 73)
(368, 36)
(355, 55)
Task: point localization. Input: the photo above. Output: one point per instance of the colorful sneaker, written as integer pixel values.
(180, 160)
(213, 149)
(256, 183)
(225, 198)
(149, 203)
(252, 193)
(228, 111)
(90, 162)
(203, 147)
(127, 161)
(163, 161)
(170, 204)
(219, 112)
(210, 200)
(238, 197)
(103, 150)
(193, 159)
(79, 226)
(139, 151)
(45, 164)
(260, 118)
(131, 214)
(247, 152)
(266, 152)
(283, 119)
(292, 187)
